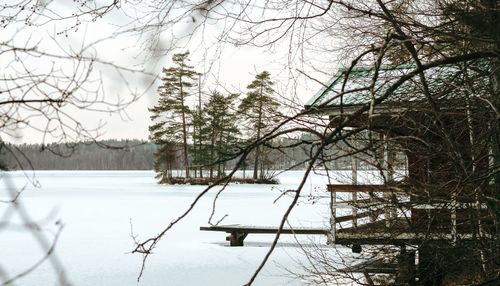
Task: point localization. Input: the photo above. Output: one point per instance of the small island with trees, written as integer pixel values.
(201, 141)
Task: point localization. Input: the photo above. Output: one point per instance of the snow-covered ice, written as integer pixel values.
(98, 209)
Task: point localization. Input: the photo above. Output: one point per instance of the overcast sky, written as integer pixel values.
(234, 70)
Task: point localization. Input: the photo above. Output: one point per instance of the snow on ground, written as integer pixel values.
(98, 209)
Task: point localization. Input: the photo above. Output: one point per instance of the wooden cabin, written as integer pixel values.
(440, 200)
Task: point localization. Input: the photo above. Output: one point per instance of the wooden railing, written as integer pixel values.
(373, 201)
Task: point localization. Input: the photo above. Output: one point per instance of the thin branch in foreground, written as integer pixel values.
(47, 248)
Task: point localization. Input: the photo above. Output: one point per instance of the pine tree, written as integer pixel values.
(260, 110)
(198, 148)
(3, 157)
(221, 130)
(171, 114)
(199, 123)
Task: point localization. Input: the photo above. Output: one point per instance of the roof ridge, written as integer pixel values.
(371, 68)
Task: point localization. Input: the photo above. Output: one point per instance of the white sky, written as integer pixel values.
(234, 69)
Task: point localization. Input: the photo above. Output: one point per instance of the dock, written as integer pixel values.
(238, 233)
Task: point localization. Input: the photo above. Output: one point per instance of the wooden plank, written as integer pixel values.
(399, 233)
(387, 238)
(264, 229)
(373, 266)
(372, 203)
(404, 203)
(449, 206)
(341, 188)
(359, 215)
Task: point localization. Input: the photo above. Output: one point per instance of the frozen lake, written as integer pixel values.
(98, 208)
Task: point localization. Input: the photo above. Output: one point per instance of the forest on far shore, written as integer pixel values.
(126, 155)
(101, 155)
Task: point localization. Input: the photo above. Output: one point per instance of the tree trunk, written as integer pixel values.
(219, 148)
(257, 150)
(195, 151)
(184, 130)
(199, 118)
(212, 146)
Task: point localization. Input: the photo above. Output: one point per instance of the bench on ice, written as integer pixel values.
(238, 233)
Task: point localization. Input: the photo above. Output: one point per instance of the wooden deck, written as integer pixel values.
(379, 214)
(399, 233)
(238, 233)
(394, 220)
(343, 188)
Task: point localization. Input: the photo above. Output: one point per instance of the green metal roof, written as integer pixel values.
(349, 87)
(451, 83)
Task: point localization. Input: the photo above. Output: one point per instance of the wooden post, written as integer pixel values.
(236, 238)
(333, 210)
(388, 171)
(454, 217)
(373, 216)
(354, 209)
(405, 274)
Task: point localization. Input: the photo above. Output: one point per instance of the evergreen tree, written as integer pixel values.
(220, 130)
(171, 114)
(260, 109)
(199, 141)
(3, 157)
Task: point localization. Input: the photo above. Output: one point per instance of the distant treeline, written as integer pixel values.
(118, 155)
(138, 155)
(102, 155)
